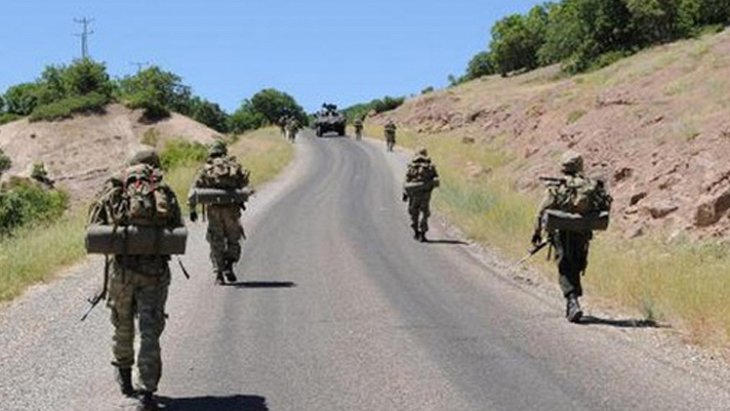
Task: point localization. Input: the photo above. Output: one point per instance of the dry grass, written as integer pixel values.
(683, 283)
(36, 254)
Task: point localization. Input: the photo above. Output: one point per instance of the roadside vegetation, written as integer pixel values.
(376, 106)
(680, 282)
(585, 35)
(32, 220)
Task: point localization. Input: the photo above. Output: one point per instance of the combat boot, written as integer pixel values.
(573, 311)
(147, 402)
(422, 238)
(124, 378)
(228, 272)
(219, 278)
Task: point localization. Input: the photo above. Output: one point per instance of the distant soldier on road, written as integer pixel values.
(138, 284)
(389, 130)
(581, 196)
(358, 128)
(421, 179)
(283, 120)
(292, 128)
(225, 231)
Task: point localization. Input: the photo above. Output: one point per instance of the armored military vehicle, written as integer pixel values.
(329, 119)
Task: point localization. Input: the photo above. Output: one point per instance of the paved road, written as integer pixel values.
(339, 309)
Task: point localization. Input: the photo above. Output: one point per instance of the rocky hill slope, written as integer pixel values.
(80, 153)
(656, 126)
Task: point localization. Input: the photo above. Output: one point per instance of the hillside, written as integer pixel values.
(80, 153)
(656, 126)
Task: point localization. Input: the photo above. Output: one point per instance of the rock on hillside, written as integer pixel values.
(80, 153)
(655, 125)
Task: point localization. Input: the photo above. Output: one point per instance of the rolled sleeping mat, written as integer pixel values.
(416, 187)
(220, 196)
(563, 221)
(135, 240)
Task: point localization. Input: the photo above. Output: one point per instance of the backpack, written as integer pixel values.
(137, 196)
(224, 173)
(420, 170)
(582, 195)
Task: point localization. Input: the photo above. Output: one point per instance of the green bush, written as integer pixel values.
(21, 99)
(65, 108)
(28, 203)
(6, 118)
(181, 153)
(5, 162)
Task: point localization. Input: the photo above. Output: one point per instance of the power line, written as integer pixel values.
(139, 64)
(85, 22)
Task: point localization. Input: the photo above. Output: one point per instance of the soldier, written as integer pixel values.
(421, 179)
(283, 120)
(390, 135)
(571, 247)
(225, 231)
(292, 128)
(358, 129)
(138, 284)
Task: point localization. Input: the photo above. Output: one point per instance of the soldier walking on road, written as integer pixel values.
(581, 196)
(225, 231)
(389, 130)
(292, 128)
(138, 284)
(421, 179)
(358, 129)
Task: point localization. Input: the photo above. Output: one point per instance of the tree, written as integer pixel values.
(516, 40)
(245, 118)
(658, 21)
(273, 104)
(208, 113)
(480, 65)
(22, 99)
(86, 76)
(157, 91)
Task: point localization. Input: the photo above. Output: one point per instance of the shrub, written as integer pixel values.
(65, 108)
(28, 203)
(427, 90)
(5, 162)
(181, 153)
(21, 99)
(9, 117)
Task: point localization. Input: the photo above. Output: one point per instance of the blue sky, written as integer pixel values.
(320, 50)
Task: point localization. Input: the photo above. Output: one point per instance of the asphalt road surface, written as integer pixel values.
(338, 308)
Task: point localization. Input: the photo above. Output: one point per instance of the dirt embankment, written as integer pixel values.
(82, 152)
(656, 126)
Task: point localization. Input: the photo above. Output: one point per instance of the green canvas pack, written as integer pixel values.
(582, 195)
(224, 173)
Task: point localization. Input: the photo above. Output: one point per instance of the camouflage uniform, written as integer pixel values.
(225, 231)
(358, 129)
(292, 128)
(419, 204)
(389, 130)
(571, 248)
(137, 287)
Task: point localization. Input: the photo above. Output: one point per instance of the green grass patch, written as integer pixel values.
(6, 118)
(67, 107)
(575, 115)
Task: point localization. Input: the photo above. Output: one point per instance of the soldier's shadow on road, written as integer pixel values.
(262, 284)
(446, 242)
(211, 403)
(624, 323)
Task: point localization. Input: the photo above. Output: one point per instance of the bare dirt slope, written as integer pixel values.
(656, 125)
(81, 152)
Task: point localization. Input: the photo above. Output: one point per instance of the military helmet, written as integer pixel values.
(218, 149)
(571, 162)
(143, 154)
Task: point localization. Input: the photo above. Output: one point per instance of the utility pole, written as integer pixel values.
(84, 36)
(139, 64)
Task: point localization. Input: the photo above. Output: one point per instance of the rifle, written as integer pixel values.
(534, 250)
(102, 295)
(553, 181)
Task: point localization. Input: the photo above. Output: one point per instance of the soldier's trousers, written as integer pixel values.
(571, 254)
(419, 210)
(143, 296)
(390, 142)
(224, 235)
